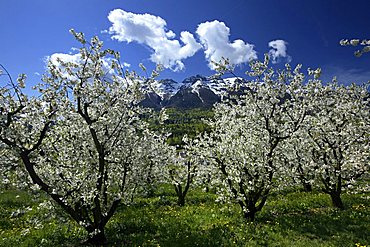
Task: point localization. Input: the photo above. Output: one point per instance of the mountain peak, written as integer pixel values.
(193, 92)
(193, 79)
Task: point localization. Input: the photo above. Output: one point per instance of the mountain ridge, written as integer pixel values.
(193, 92)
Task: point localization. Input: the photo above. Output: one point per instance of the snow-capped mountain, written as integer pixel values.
(193, 92)
(166, 88)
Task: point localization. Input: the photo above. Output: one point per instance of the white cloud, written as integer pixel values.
(151, 30)
(345, 76)
(66, 58)
(214, 37)
(127, 65)
(57, 58)
(76, 58)
(279, 51)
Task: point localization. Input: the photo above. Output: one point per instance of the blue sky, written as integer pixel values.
(186, 35)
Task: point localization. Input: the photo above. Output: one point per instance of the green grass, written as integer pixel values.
(293, 219)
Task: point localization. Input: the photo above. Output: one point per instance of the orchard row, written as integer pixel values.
(83, 139)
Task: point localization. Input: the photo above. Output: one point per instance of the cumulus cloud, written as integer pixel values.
(58, 59)
(279, 51)
(66, 58)
(76, 59)
(214, 37)
(151, 30)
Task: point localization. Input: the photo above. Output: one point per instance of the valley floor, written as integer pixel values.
(292, 219)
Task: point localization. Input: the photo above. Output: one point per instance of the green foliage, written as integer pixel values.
(181, 122)
(288, 219)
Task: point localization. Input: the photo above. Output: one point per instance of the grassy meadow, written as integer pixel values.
(291, 218)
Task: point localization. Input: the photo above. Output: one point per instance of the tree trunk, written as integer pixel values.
(150, 191)
(181, 200)
(307, 187)
(96, 239)
(250, 215)
(336, 200)
(207, 183)
(181, 194)
(207, 189)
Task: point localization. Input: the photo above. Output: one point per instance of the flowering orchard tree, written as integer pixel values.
(245, 147)
(356, 42)
(181, 169)
(339, 137)
(81, 140)
(154, 153)
(10, 92)
(297, 158)
(7, 164)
